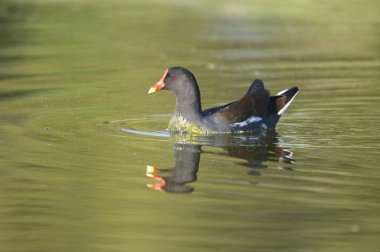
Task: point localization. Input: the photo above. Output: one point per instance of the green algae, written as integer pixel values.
(181, 125)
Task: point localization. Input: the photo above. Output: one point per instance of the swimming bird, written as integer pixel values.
(256, 110)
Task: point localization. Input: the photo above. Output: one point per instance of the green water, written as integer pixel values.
(77, 128)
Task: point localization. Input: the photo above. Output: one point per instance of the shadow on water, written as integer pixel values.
(13, 16)
(7, 95)
(251, 151)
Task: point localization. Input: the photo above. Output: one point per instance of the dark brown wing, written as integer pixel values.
(254, 103)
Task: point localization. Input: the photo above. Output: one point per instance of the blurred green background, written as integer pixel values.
(73, 73)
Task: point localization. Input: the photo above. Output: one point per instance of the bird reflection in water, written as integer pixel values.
(253, 151)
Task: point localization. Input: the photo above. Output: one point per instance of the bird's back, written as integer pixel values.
(256, 109)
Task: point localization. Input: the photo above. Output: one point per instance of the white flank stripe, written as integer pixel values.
(251, 119)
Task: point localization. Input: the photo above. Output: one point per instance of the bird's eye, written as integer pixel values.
(171, 75)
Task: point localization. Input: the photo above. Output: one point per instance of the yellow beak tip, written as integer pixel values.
(152, 90)
(150, 169)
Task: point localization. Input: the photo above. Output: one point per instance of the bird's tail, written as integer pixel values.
(281, 101)
(278, 105)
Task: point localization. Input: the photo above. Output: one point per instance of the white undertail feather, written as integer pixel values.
(282, 111)
(281, 92)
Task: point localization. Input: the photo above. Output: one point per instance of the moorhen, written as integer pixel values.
(255, 110)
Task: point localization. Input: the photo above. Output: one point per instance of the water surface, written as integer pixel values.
(78, 130)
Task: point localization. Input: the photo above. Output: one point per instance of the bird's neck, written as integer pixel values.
(188, 103)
